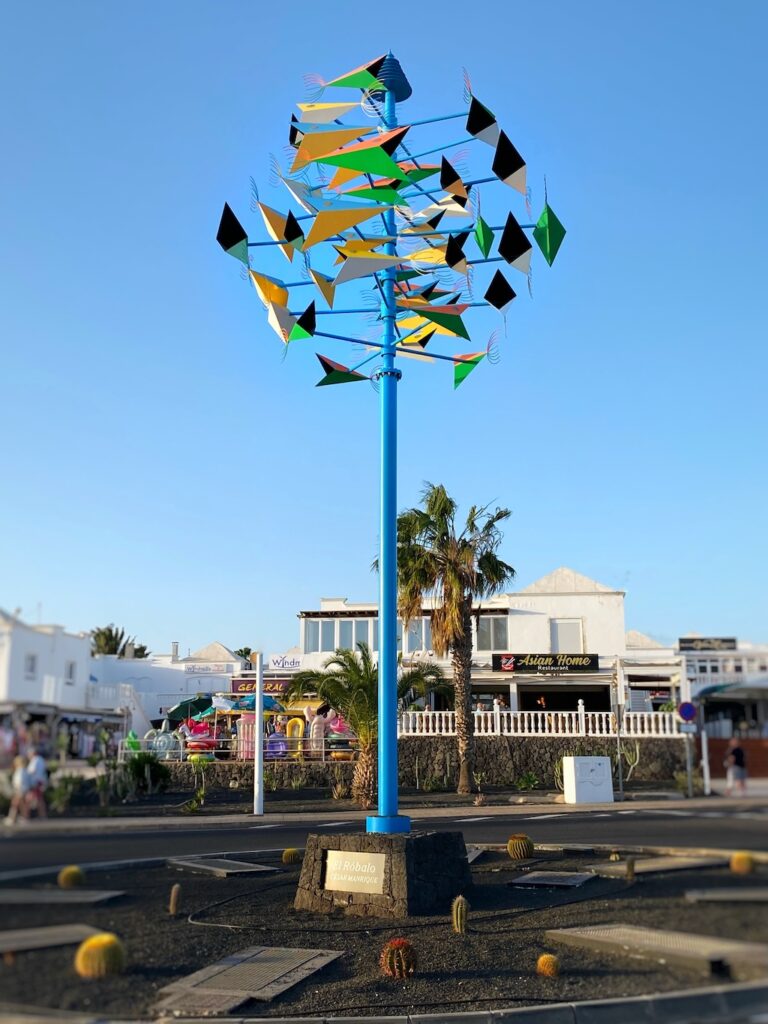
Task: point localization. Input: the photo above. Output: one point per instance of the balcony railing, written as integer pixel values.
(635, 724)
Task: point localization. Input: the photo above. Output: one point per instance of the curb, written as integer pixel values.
(717, 1004)
(243, 818)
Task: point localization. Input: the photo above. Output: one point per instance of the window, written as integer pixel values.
(714, 668)
(738, 667)
(415, 635)
(427, 634)
(492, 633)
(70, 674)
(361, 631)
(30, 666)
(763, 667)
(327, 635)
(703, 668)
(311, 636)
(375, 644)
(345, 634)
(399, 635)
(566, 636)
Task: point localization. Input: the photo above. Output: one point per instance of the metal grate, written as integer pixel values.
(654, 865)
(221, 867)
(709, 951)
(749, 895)
(10, 897)
(259, 972)
(42, 938)
(556, 879)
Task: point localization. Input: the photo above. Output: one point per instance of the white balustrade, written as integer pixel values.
(635, 724)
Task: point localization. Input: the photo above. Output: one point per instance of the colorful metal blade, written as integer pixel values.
(508, 165)
(549, 234)
(305, 326)
(481, 123)
(500, 292)
(483, 236)
(231, 235)
(337, 373)
(514, 245)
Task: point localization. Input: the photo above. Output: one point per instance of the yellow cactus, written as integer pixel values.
(742, 863)
(291, 856)
(99, 956)
(548, 965)
(70, 877)
(520, 847)
(173, 902)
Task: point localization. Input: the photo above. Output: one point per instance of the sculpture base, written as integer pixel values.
(387, 823)
(371, 874)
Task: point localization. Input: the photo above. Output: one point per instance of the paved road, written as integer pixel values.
(727, 828)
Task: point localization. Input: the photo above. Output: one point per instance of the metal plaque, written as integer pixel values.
(347, 871)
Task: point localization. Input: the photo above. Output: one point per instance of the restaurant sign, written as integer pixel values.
(707, 643)
(272, 687)
(346, 871)
(545, 664)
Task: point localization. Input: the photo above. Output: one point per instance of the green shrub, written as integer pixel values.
(528, 780)
(59, 796)
(147, 772)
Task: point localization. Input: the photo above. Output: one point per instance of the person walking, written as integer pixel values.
(21, 784)
(736, 768)
(38, 774)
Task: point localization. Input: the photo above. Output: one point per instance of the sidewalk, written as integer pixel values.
(191, 822)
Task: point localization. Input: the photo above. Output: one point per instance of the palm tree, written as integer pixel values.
(437, 562)
(244, 652)
(111, 640)
(349, 682)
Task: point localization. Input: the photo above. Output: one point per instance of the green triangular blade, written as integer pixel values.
(451, 321)
(483, 236)
(305, 325)
(463, 369)
(549, 234)
(337, 373)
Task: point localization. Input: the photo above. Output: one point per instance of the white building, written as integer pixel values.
(731, 677)
(162, 680)
(559, 641)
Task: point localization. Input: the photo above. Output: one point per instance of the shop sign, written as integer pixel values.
(208, 668)
(707, 643)
(272, 687)
(545, 663)
(285, 662)
(346, 871)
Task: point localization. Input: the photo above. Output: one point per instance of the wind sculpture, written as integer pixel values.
(374, 213)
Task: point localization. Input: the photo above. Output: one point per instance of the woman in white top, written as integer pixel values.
(22, 784)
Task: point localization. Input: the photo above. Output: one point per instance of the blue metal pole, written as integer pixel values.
(388, 819)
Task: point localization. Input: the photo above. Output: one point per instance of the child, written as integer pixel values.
(21, 783)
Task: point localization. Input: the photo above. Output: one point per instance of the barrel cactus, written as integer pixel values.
(291, 856)
(548, 965)
(70, 877)
(742, 863)
(459, 911)
(99, 956)
(398, 959)
(520, 847)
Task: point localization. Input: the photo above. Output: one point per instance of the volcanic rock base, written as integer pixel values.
(423, 871)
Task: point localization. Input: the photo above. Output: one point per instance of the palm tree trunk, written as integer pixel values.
(363, 780)
(465, 722)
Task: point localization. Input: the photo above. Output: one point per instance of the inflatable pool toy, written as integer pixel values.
(294, 731)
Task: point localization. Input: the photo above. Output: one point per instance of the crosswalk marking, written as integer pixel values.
(333, 824)
(540, 817)
(486, 817)
(255, 828)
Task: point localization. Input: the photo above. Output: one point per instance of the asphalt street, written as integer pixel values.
(736, 828)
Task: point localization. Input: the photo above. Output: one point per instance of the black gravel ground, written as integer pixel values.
(492, 966)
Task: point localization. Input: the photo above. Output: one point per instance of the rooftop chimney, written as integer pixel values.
(175, 651)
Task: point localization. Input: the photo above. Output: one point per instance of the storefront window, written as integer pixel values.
(415, 635)
(311, 636)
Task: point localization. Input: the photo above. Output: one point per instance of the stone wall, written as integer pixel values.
(431, 762)
(503, 760)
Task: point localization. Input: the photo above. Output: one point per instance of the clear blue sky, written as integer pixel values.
(164, 469)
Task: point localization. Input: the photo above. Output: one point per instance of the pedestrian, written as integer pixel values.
(38, 775)
(735, 764)
(21, 784)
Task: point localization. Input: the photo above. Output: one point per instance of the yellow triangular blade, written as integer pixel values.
(269, 289)
(325, 286)
(352, 246)
(317, 144)
(332, 222)
(324, 113)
